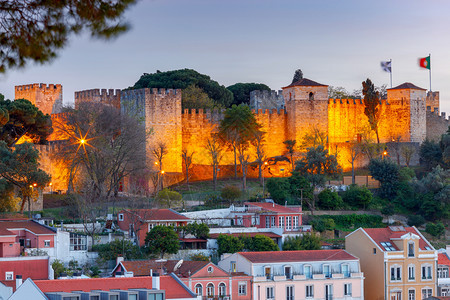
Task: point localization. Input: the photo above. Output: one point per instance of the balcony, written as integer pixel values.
(223, 297)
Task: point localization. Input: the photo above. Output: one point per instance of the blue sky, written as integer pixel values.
(339, 43)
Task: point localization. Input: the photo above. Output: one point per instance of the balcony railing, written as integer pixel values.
(222, 297)
(300, 276)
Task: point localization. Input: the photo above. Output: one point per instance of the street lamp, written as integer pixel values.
(162, 179)
(51, 187)
(385, 153)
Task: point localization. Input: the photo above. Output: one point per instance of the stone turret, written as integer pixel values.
(48, 98)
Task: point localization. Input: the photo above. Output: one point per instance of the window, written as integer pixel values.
(426, 293)
(210, 269)
(396, 273)
(412, 295)
(307, 272)
(242, 288)
(374, 250)
(290, 292)
(411, 272)
(328, 292)
(210, 289)
(114, 297)
(120, 217)
(345, 270)
(132, 297)
(154, 296)
(269, 293)
(281, 222)
(78, 242)
(150, 226)
(267, 222)
(411, 249)
(396, 295)
(288, 272)
(288, 223)
(311, 96)
(426, 272)
(268, 272)
(347, 289)
(295, 222)
(198, 289)
(46, 243)
(9, 276)
(94, 298)
(309, 291)
(71, 298)
(222, 289)
(233, 266)
(443, 272)
(326, 271)
(273, 221)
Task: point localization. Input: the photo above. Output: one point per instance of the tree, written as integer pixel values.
(116, 248)
(8, 200)
(279, 189)
(300, 187)
(237, 129)
(355, 151)
(313, 138)
(214, 150)
(258, 143)
(187, 160)
(241, 91)
(182, 79)
(357, 196)
(199, 230)
(407, 152)
(34, 31)
(229, 244)
(159, 152)
(230, 193)
(371, 103)
(329, 200)
(194, 97)
(22, 119)
(430, 154)
(306, 242)
(168, 198)
(338, 92)
(317, 166)
(322, 224)
(161, 240)
(263, 243)
(90, 207)
(103, 146)
(58, 268)
(435, 230)
(387, 173)
(290, 147)
(20, 166)
(298, 75)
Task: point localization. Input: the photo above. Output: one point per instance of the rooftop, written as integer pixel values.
(173, 288)
(384, 236)
(305, 82)
(249, 234)
(273, 207)
(34, 227)
(297, 256)
(406, 85)
(157, 214)
(443, 259)
(143, 267)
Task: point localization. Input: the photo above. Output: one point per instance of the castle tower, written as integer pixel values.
(307, 108)
(48, 98)
(109, 97)
(409, 104)
(161, 110)
(433, 101)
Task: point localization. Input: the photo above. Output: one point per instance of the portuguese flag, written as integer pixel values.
(425, 62)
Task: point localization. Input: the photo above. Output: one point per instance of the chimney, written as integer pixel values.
(119, 259)
(18, 281)
(155, 281)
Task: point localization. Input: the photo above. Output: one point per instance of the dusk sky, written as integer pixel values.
(339, 43)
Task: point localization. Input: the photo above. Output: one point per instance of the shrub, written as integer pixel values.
(386, 172)
(168, 198)
(117, 248)
(279, 189)
(357, 196)
(330, 200)
(322, 224)
(199, 257)
(307, 242)
(435, 229)
(416, 220)
(230, 193)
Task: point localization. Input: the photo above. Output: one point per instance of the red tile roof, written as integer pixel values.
(30, 225)
(4, 232)
(443, 259)
(380, 235)
(305, 82)
(406, 85)
(250, 234)
(273, 207)
(143, 267)
(158, 214)
(293, 256)
(173, 288)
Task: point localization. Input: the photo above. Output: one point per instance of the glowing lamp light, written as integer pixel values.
(31, 186)
(34, 184)
(50, 184)
(156, 162)
(384, 152)
(162, 172)
(82, 141)
(266, 163)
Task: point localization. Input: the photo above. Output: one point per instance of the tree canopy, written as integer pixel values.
(21, 118)
(34, 30)
(241, 91)
(305, 242)
(387, 173)
(194, 98)
(182, 79)
(371, 105)
(298, 75)
(233, 244)
(162, 239)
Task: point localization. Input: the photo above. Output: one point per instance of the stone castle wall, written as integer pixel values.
(108, 97)
(433, 100)
(437, 124)
(266, 100)
(47, 97)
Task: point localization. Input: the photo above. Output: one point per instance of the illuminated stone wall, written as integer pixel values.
(47, 97)
(108, 97)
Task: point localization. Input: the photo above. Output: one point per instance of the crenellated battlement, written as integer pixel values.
(103, 93)
(435, 111)
(37, 86)
(266, 99)
(355, 101)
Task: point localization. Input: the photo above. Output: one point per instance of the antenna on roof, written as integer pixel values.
(177, 265)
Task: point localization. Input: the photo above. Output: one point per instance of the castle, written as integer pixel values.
(409, 114)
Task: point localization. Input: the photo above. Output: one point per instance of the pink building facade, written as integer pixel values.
(311, 274)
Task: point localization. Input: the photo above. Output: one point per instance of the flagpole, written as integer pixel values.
(430, 70)
(391, 72)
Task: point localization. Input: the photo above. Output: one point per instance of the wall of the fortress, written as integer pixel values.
(47, 97)
(433, 101)
(108, 97)
(266, 100)
(57, 169)
(437, 124)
